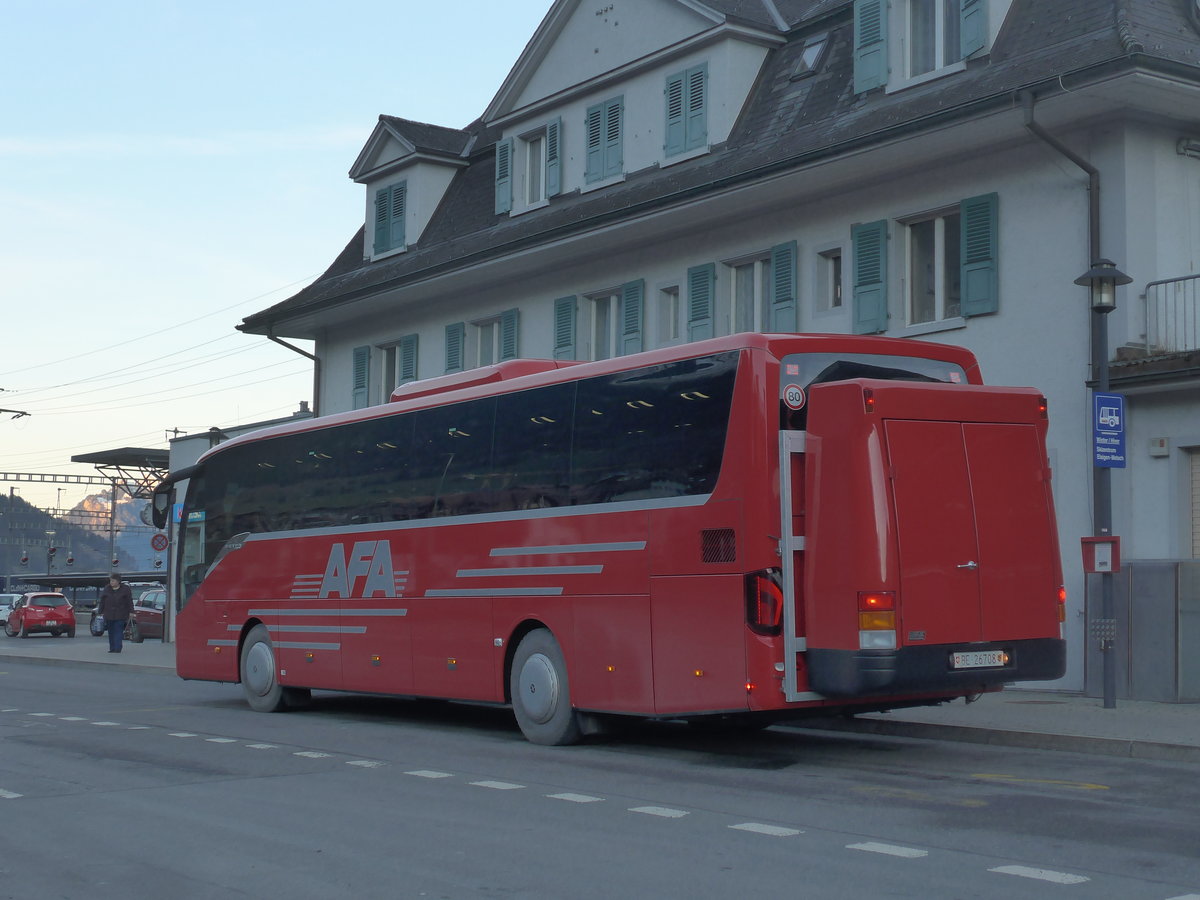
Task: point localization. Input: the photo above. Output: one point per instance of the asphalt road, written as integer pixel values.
(119, 784)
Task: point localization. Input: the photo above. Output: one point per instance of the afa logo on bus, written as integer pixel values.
(367, 571)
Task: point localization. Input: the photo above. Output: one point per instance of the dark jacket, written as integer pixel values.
(116, 606)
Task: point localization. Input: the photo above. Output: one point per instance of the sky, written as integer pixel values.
(168, 168)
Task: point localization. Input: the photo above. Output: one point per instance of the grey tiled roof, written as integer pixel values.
(431, 138)
(786, 122)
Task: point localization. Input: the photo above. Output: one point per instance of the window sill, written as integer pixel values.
(541, 204)
(684, 157)
(901, 84)
(607, 182)
(395, 251)
(934, 327)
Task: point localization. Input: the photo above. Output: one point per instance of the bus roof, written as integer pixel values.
(521, 374)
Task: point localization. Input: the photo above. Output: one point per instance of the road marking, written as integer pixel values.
(1013, 779)
(10, 709)
(106, 723)
(575, 798)
(1186, 897)
(180, 734)
(772, 830)
(889, 849)
(262, 746)
(498, 785)
(8, 795)
(893, 793)
(312, 754)
(73, 718)
(39, 714)
(364, 763)
(137, 727)
(427, 773)
(661, 811)
(221, 740)
(1041, 874)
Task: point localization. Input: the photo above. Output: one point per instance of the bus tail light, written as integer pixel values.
(1062, 612)
(876, 620)
(764, 602)
(868, 400)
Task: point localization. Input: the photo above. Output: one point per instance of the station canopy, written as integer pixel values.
(137, 469)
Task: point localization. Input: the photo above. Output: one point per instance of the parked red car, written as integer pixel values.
(34, 612)
(147, 619)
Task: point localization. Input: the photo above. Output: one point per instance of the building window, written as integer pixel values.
(934, 268)
(810, 56)
(399, 364)
(934, 39)
(535, 169)
(750, 293)
(603, 134)
(604, 323)
(497, 338)
(670, 316)
(687, 110)
(391, 204)
(829, 278)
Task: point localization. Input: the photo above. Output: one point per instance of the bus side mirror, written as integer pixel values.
(161, 506)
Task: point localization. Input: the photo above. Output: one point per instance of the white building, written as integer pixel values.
(657, 171)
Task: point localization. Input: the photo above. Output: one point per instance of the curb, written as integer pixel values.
(1032, 740)
(5, 659)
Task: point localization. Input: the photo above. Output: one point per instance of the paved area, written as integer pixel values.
(1014, 718)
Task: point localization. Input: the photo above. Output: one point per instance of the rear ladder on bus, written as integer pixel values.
(791, 548)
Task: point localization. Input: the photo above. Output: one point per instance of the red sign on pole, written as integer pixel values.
(159, 542)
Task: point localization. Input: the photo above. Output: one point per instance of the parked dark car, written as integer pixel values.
(147, 621)
(45, 612)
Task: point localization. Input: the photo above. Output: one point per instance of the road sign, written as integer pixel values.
(1108, 431)
(159, 542)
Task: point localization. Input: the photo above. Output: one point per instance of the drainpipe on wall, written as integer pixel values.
(316, 398)
(1101, 476)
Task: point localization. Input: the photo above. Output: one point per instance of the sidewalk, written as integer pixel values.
(1014, 718)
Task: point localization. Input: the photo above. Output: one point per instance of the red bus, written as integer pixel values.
(751, 527)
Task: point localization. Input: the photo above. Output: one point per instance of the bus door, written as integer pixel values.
(975, 529)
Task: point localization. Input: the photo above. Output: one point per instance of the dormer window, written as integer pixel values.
(603, 132)
(934, 35)
(529, 168)
(390, 205)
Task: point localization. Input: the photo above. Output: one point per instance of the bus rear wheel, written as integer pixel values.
(541, 695)
(260, 684)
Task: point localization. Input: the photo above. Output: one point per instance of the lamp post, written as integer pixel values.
(1101, 280)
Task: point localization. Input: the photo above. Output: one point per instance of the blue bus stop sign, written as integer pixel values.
(1108, 431)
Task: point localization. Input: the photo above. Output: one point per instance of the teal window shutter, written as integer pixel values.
(390, 206)
(870, 277)
(614, 114)
(870, 44)
(594, 132)
(979, 224)
(697, 107)
(633, 295)
(360, 378)
(456, 340)
(701, 282)
(676, 123)
(408, 359)
(504, 160)
(399, 207)
(509, 328)
(783, 288)
(564, 328)
(973, 26)
(554, 158)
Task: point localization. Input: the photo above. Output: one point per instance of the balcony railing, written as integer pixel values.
(1173, 315)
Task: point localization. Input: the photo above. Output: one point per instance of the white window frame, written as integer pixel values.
(604, 323)
(530, 151)
(670, 316)
(760, 299)
(943, 312)
(901, 45)
(831, 279)
(484, 343)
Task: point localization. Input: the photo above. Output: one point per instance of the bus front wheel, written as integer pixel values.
(260, 684)
(541, 695)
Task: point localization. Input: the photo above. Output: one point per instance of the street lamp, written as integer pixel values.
(1101, 280)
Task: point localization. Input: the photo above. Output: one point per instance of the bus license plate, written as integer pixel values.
(978, 659)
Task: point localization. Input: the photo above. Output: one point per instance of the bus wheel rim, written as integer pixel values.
(539, 688)
(260, 668)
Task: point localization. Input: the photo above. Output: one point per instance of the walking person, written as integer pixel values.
(116, 605)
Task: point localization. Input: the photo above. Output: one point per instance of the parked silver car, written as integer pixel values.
(6, 605)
